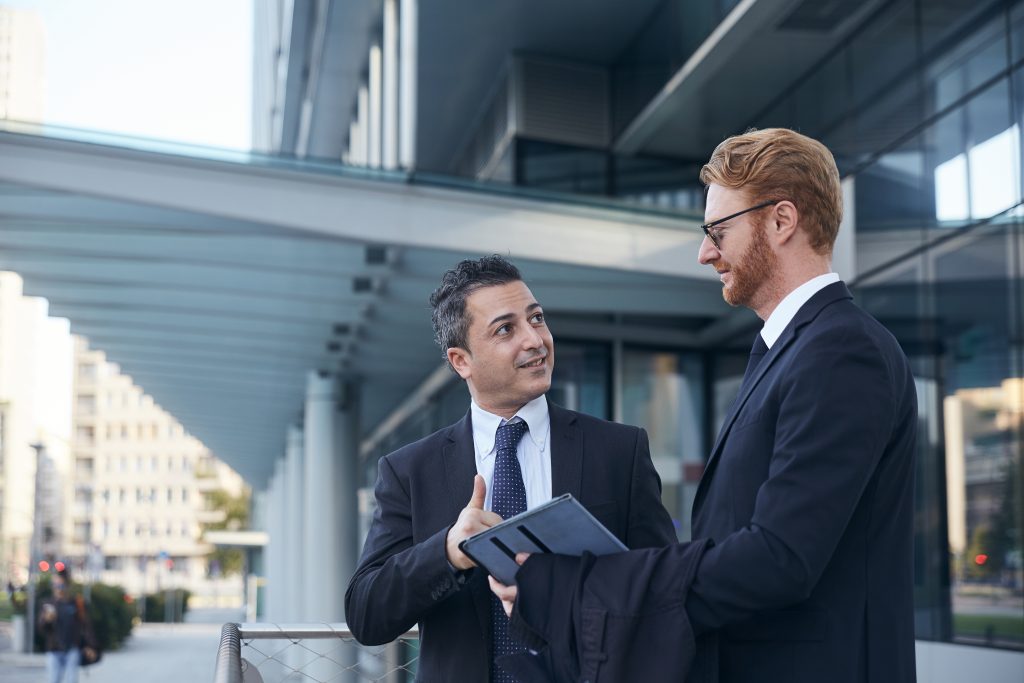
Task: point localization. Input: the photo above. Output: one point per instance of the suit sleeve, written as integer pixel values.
(650, 525)
(837, 407)
(397, 581)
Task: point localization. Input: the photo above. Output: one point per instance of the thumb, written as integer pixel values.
(479, 493)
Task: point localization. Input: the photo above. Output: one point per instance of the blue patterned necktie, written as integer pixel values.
(508, 498)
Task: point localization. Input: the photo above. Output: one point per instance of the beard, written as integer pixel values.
(752, 271)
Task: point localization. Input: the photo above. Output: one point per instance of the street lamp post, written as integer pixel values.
(33, 554)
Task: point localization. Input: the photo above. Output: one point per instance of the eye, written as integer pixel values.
(503, 330)
(537, 318)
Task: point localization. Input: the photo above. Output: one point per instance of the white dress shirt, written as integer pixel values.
(533, 452)
(788, 307)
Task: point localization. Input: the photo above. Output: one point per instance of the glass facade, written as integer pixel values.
(664, 392)
(923, 106)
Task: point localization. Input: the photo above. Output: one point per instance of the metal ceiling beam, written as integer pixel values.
(299, 309)
(182, 275)
(345, 206)
(128, 317)
(279, 253)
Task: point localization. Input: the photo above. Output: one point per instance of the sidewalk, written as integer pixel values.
(157, 653)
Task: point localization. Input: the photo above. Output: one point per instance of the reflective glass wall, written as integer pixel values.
(663, 390)
(922, 107)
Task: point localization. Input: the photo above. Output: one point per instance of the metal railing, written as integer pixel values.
(274, 653)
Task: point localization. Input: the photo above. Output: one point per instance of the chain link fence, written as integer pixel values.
(321, 653)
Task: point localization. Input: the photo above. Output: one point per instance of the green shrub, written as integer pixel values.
(111, 612)
(156, 605)
(6, 607)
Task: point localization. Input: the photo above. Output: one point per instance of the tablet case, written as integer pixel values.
(561, 525)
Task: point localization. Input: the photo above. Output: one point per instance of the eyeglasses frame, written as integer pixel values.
(707, 227)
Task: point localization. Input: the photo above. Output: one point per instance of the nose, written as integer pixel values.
(707, 252)
(532, 338)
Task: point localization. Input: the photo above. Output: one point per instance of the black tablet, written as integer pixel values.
(561, 525)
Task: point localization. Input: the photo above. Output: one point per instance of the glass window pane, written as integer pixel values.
(971, 60)
(662, 392)
(882, 52)
(580, 380)
(956, 312)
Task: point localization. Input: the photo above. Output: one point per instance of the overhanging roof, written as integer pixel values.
(219, 284)
(757, 53)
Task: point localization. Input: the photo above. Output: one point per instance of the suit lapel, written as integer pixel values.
(460, 468)
(460, 464)
(566, 452)
(807, 313)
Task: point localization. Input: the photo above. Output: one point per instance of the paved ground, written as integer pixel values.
(155, 653)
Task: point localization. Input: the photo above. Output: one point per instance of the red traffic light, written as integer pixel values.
(59, 566)
(44, 566)
(980, 559)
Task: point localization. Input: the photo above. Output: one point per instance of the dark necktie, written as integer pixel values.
(508, 498)
(757, 352)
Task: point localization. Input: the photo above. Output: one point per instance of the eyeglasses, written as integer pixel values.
(716, 235)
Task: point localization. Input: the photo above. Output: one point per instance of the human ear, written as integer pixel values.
(783, 221)
(460, 359)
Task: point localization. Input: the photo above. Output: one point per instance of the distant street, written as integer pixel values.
(156, 653)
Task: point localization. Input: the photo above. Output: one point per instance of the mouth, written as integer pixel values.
(535, 363)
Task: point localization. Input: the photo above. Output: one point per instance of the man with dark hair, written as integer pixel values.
(512, 451)
(806, 505)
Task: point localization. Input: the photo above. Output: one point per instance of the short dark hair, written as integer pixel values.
(451, 324)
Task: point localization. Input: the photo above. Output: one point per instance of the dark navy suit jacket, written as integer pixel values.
(804, 521)
(808, 497)
(404, 578)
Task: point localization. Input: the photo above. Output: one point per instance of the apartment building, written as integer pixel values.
(35, 426)
(141, 485)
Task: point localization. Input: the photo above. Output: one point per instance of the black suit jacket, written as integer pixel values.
(404, 578)
(808, 497)
(582, 622)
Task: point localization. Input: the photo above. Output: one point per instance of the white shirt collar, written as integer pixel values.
(485, 424)
(788, 307)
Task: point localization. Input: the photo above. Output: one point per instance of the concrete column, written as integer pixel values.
(375, 96)
(844, 251)
(294, 514)
(330, 503)
(389, 131)
(408, 29)
(363, 117)
(349, 157)
(275, 563)
(265, 500)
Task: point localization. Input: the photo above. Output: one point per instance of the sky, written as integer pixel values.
(176, 70)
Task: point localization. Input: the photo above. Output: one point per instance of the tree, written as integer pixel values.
(227, 561)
